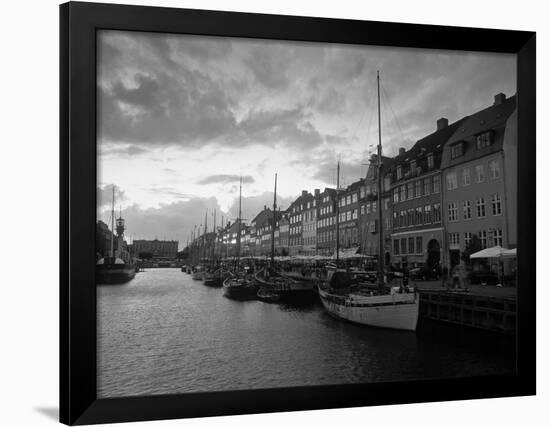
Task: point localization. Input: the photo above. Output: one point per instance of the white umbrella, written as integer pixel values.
(494, 252)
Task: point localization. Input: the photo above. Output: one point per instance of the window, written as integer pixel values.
(410, 190)
(497, 237)
(413, 166)
(437, 184)
(403, 246)
(374, 207)
(427, 186)
(348, 200)
(454, 239)
(348, 216)
(403, 216)
(497, 206)
(419, 215)
(466, 177)
(467, 210)
(396, 196)
(354, 198)
(418, 188)
(452, 212)
(410, 217)
(411, 245)
(419, 245)
(399, 172)
(362, 209)
(483, 238)
(467, 239)
(362, 192)
(386, 204)
(403, 193)
(483, 140)
(480, 204)
(456, 150)
(354, 214)
(430, 161)
(368, 208)
(396, 247)
(494, 166)
(395, 219)
(480, 173)
(451, 181)
(437, 212)
(388, 224)
(427, 214)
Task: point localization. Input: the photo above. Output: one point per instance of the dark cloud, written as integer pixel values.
(253, 205)
(129, 150)
(225, 179)
(270, 66)
(169, 191)
(287, 126)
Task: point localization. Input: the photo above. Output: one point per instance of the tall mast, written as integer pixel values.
(274, 221)
(215, 237)
(239, 222)
(337, 213)
(380, 216)
(113, 224)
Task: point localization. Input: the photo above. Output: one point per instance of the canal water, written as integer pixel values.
(164, 333)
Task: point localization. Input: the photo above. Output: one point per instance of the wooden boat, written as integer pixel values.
(198, 273)
(396, 309)
(239, 287)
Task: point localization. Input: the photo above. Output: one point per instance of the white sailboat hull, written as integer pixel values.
(397, 311)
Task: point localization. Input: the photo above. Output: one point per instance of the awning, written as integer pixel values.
(495, 252)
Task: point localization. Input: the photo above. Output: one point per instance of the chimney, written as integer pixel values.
(442, 123)
(500, 98)
(401, 151)
(304, 193)
(317, 192)
(265, 207)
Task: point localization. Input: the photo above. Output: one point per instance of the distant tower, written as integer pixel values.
(120, 225)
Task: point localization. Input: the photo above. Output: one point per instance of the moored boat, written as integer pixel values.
(267, 295)
(197, 273)
(113, 270)
(239, 287)
(397, 309)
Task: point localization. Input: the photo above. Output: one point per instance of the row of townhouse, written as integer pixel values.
(454, 184)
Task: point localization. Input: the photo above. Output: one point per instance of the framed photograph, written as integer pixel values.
(265, 213)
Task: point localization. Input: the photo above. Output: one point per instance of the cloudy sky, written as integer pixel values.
(180, 118)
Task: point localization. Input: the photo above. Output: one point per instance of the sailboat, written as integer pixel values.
(239, 285)
(115, 268)
(274, 285)
(394, 308)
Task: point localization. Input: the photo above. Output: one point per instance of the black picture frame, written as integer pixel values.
(78, 25)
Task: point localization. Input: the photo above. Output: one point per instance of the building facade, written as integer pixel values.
(326, 222)
(349, 215)
(418, 236)
(475, 195)
(157, 248)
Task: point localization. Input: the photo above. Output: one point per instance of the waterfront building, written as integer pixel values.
(349, 215)
(296, 213)
(326, 222)
(417, 229)
(309, 223)
(283, 229)
(368, 199)
(263, 223)
(156, 248)
(479, 180)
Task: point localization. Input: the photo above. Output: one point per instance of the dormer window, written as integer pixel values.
(456, 150)
(430, 161)
(483, 140)
(399, 172)
(413, 166)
